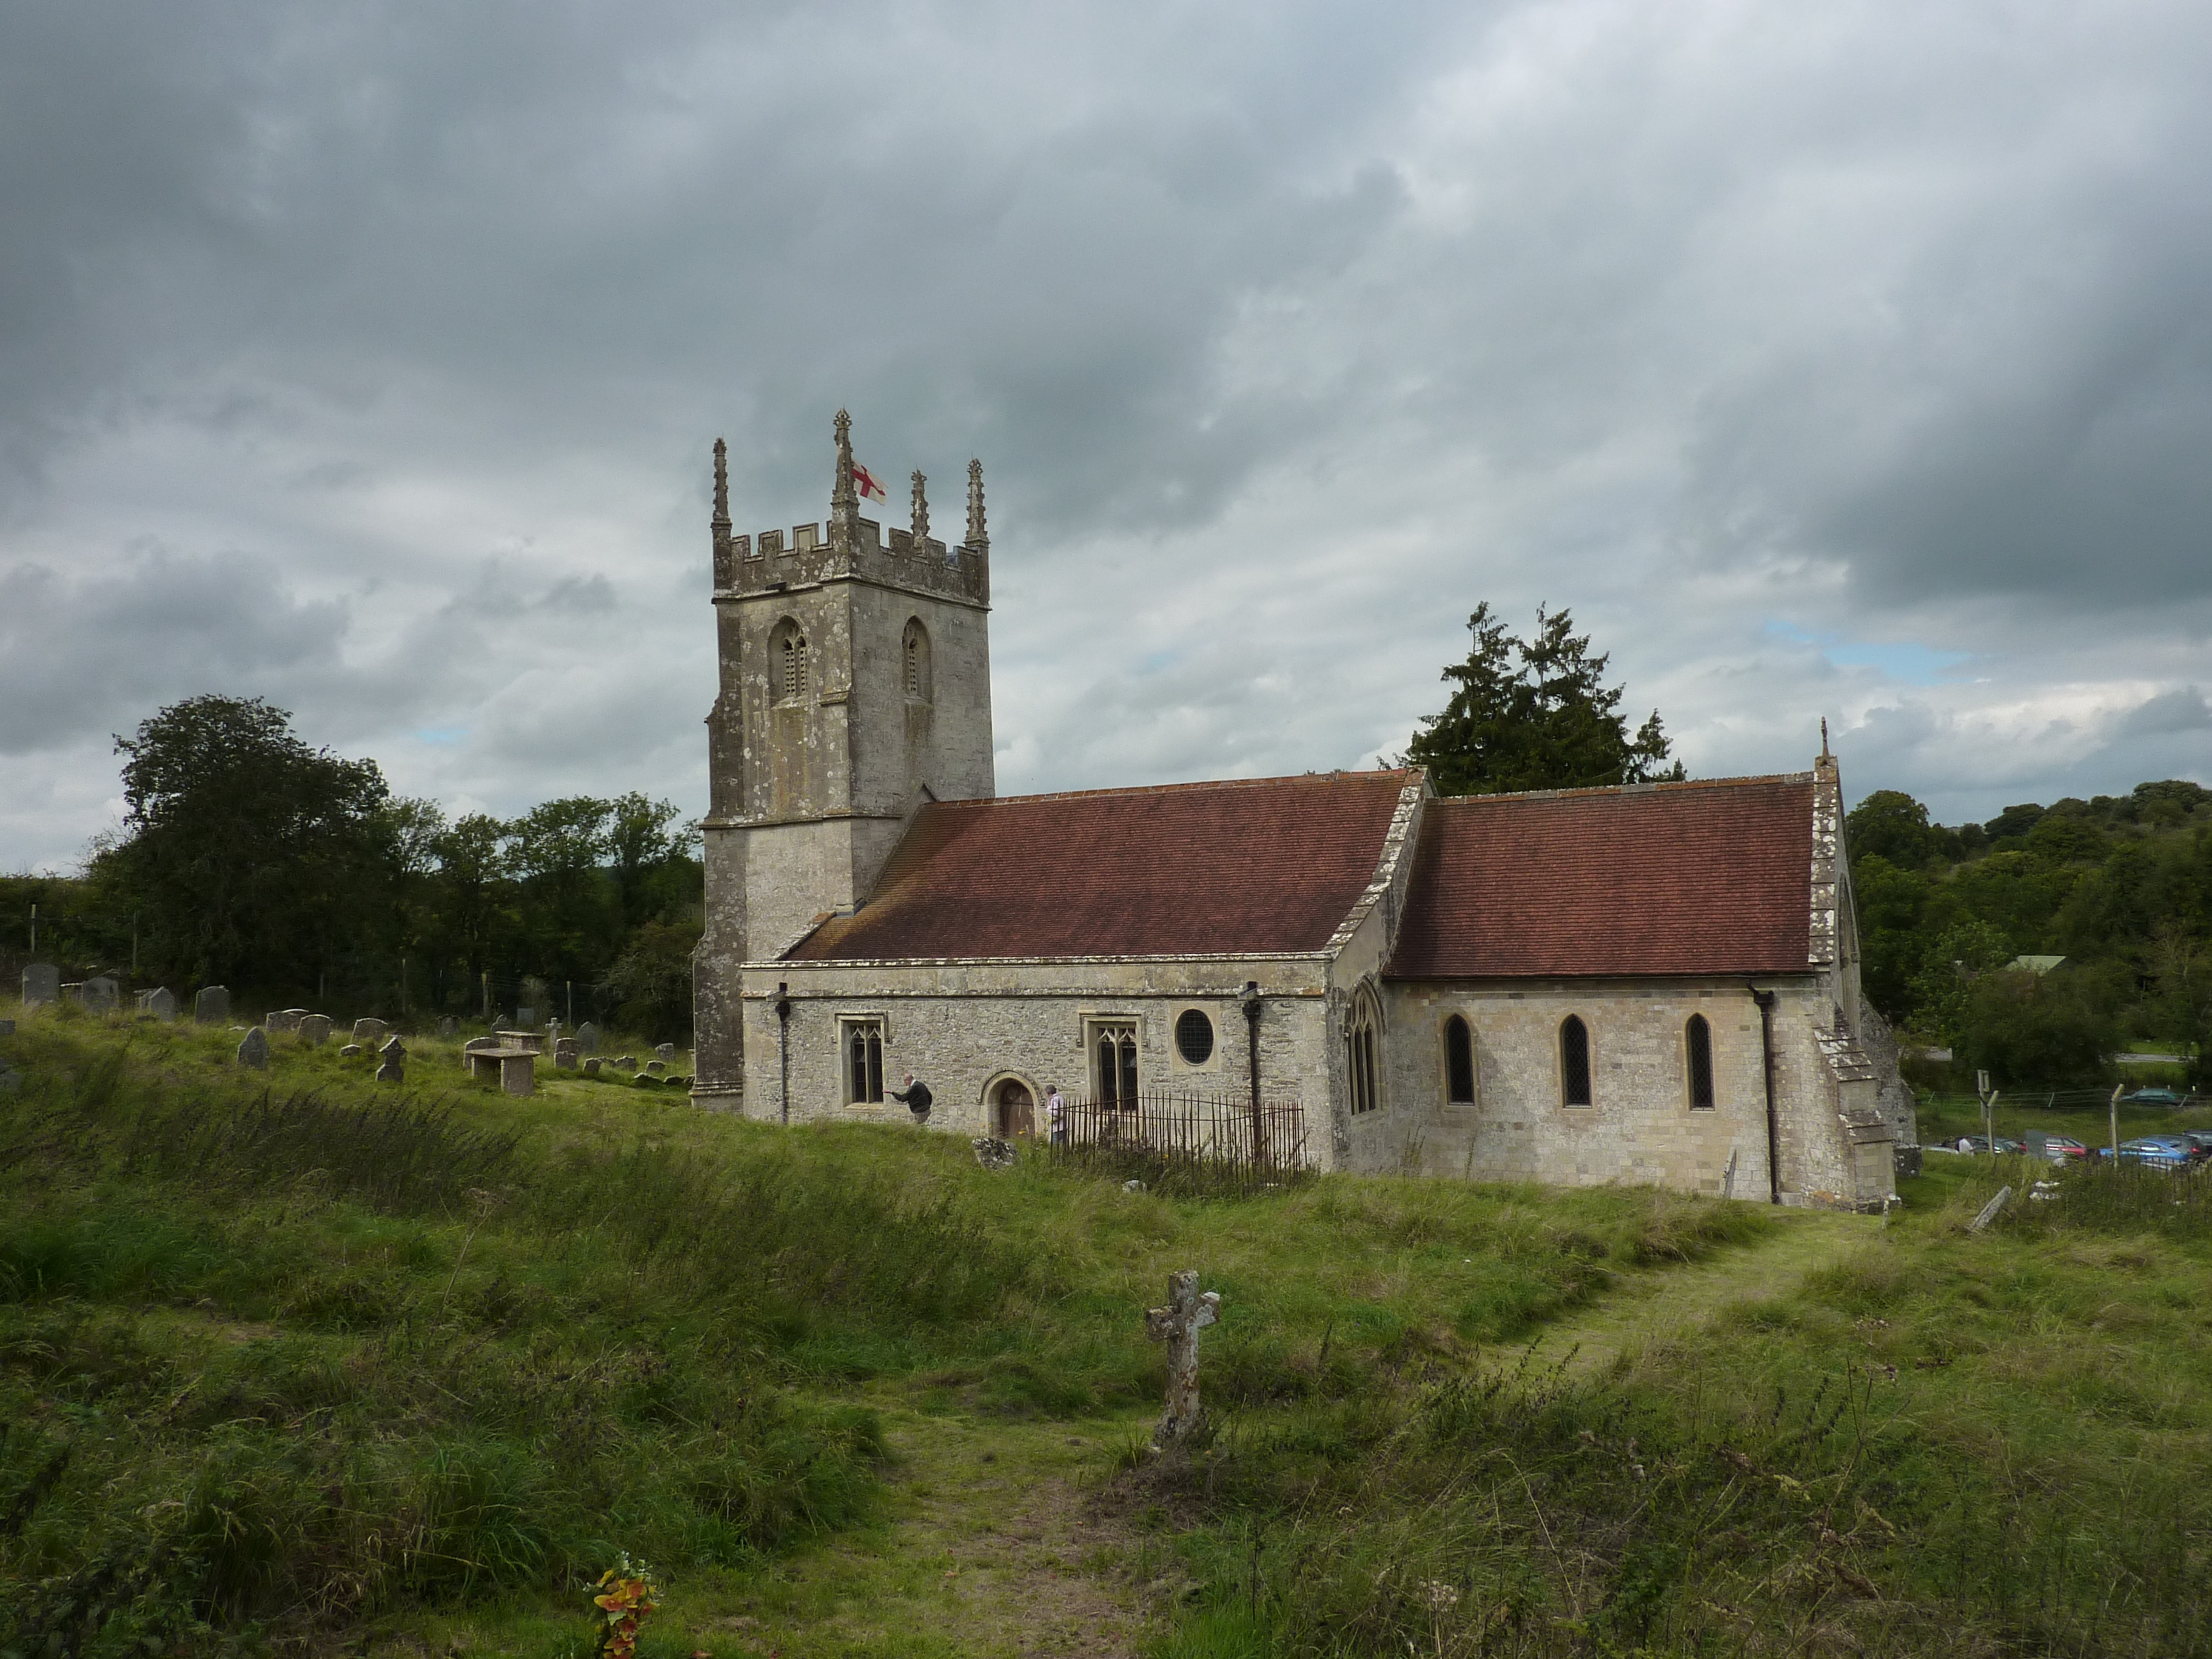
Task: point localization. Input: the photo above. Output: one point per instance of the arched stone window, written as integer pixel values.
(787, 659)
(914, 662)
(1116, 1056)
(1360, 1031)
(1459, 1062)
(1574, 1062)
(1698, 1051)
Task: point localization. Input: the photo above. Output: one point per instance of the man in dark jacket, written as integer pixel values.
(916, 1097)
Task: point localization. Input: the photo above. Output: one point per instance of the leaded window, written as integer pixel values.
(1574, 1061)
(1459, 1062)
(1698, 1046)
(864, 1062)
(1359, 1053)
(1115, 1059)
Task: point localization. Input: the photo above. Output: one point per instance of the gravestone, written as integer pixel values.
(315, 1030)
(7, 1028)
(160, 1003)
(351, 1051)
(565, 1054)
(475, 1045)
(10, 1079)
(666, 1053)
(626, 1063)
(592, 1065)
(42, 983)
(526, 1016)
(656, 1067)
(448, 1026)
(101, 995)
(212, 1006)
(253, 1052)
(1178, 1324)
(587, 1038)
(394, 1069)
(285, 1022)
(371, 1032)
(993, 1153)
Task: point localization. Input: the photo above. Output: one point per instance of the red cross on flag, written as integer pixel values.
(866, 482)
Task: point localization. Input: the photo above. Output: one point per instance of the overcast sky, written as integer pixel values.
(1850, 360)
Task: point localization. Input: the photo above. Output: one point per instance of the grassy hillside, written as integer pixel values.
(292, 1360)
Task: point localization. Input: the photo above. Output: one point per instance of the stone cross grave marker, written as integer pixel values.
(253, 1052)
(1178, 1324)
(42, 983)
(394, 1069)
(212, 1006)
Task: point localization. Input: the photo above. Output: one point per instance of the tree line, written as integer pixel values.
(250, 859)
(2119, 886)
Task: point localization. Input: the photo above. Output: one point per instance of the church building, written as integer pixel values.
(1652, 984)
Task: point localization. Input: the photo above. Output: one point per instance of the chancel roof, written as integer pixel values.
(1256, 866)
(1709, 878)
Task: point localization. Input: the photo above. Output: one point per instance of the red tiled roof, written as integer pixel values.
(1194, 869)
(1680, 878)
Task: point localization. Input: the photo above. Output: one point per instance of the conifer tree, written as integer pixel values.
(1534, 713)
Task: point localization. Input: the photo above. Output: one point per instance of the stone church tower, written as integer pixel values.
(855, 685)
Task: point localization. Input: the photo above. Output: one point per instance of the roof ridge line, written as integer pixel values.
(1652, 788)
(1399, 773)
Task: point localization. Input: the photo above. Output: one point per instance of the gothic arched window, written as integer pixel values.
(788, 663)
(1117, 1064)
(1459, 1062)
(914, 662)
(1574, 1062)
(1697, 1049)
(1359, 1044)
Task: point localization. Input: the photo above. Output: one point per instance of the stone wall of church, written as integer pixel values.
(962, 1028)
(1640, 1128)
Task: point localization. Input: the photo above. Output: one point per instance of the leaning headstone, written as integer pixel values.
(315, 1029)
(666, 1053)
(592, 1065)
(285, 1022)
(448, 1026)
(626, 1063)
(1178, 1324)
(254, 1051)
(351, 1051)
(160, 1003)
(101, 995)
(587, 1038)
(212, 1006)
(565, 1054)
(42, 983)
(394, 1069)
(1991, 1210)
(370, 1032)
(656, 1067)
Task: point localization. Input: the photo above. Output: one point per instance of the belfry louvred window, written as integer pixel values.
(792, 685)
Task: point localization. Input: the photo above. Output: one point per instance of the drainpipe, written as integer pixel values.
(1252, 1043)
(1767, 999)
(783, 1044)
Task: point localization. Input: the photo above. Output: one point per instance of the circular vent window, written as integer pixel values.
(1194, 1037)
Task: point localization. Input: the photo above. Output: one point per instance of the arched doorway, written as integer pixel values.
(1013, 1111)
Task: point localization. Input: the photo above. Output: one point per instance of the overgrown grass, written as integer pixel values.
(289, 1352)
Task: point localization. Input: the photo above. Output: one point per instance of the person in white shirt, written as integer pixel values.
(1056, 1115)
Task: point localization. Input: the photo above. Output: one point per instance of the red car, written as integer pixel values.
(2057, 1148)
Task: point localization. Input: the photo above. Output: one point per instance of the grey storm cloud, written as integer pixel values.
(1287, 333)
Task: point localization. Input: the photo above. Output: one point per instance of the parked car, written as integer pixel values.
(2058, 1148)
(2200, 1141)
(1976, 1143)
(2151, 1097)
(2169, 1152)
